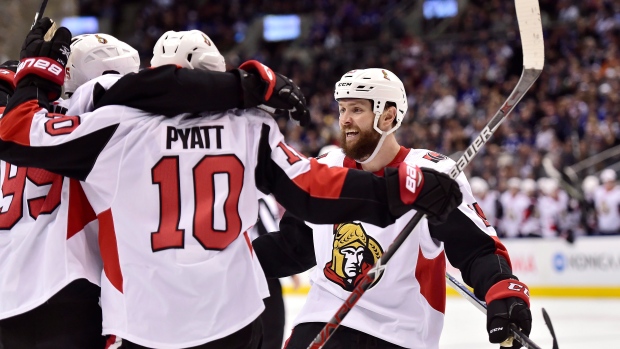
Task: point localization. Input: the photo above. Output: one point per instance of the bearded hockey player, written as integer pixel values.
(405, 307)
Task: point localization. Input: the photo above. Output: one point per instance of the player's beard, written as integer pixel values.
(365, 144)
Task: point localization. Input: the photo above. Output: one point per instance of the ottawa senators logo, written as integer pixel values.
(434, 156)
(385, 75)
(207, 41)
(353, 255)
(101, 39)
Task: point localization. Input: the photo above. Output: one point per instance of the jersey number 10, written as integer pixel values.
(165, 174)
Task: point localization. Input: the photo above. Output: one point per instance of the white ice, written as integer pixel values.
(579, 323)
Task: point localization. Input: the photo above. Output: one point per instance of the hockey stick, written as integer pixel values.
(39, 13)
(482, 306)
(530, 28)
(550, 327)
(563, 180)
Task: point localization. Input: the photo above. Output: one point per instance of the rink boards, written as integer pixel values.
(590, 267)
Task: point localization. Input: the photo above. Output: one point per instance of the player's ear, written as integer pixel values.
(388, 118)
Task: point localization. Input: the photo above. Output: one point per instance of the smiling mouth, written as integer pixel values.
(351, 134)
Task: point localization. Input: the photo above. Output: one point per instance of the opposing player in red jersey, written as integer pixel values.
(175, 197)
(405, 307)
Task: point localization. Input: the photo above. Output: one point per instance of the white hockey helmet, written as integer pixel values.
(514, 183)
(528, 186)
(478, 186)
(549, 186)
(608, 175)
(589, 185)
(93, 55)
(188, 49)
(378, 85)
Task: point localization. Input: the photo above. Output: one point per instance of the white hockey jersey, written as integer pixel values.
(489, 204)
(515, 207)
(175, 198)
(607, 204)
(406, 305)
(48, 233)
(552, 210)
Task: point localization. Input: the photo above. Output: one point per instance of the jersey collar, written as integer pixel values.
(398, 159)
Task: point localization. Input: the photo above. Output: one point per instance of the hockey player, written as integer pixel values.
(589, 187)
(54, 243)
(487, 199)
(515, 205)
(405, 307)
(553, 209)
(194, 50)
(530, 226)
(175, 196)
(607, 204)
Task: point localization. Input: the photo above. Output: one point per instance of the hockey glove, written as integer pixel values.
(262, 87)
(508, 301)
(424, 189)
(42, 62)
(7, 75)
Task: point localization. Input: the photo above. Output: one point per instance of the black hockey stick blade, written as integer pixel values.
(39, 13)
(550, 327)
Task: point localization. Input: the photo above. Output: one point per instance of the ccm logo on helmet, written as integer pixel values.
(40, 63)
(344, 84)
(519, 288)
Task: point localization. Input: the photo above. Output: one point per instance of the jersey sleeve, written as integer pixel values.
(65, 144)
(84, 98)
(288, 251)
(169, 90)
(472, 245)
(315, 192)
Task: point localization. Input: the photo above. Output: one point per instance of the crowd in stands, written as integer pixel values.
(456, 81)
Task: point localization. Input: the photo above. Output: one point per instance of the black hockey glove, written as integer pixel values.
(263, 87)
(42, 63)
(508, 301)
(7, 75)
(424, 189)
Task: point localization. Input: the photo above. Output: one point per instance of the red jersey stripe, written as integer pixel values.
(321, 181)
(501, 250)
(80, 212)
(430, 273)
(15, 125)
(109, 250)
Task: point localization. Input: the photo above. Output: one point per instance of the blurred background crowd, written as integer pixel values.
(458, 59)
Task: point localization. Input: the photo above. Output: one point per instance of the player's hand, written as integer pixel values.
(426, 190)
(7, 75)
(42, 62)
(508, 301)
(263, 87)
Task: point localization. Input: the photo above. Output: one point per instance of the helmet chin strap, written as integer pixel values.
(374, 153)
(384, 135)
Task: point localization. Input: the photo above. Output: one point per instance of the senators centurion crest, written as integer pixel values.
(353, 254)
